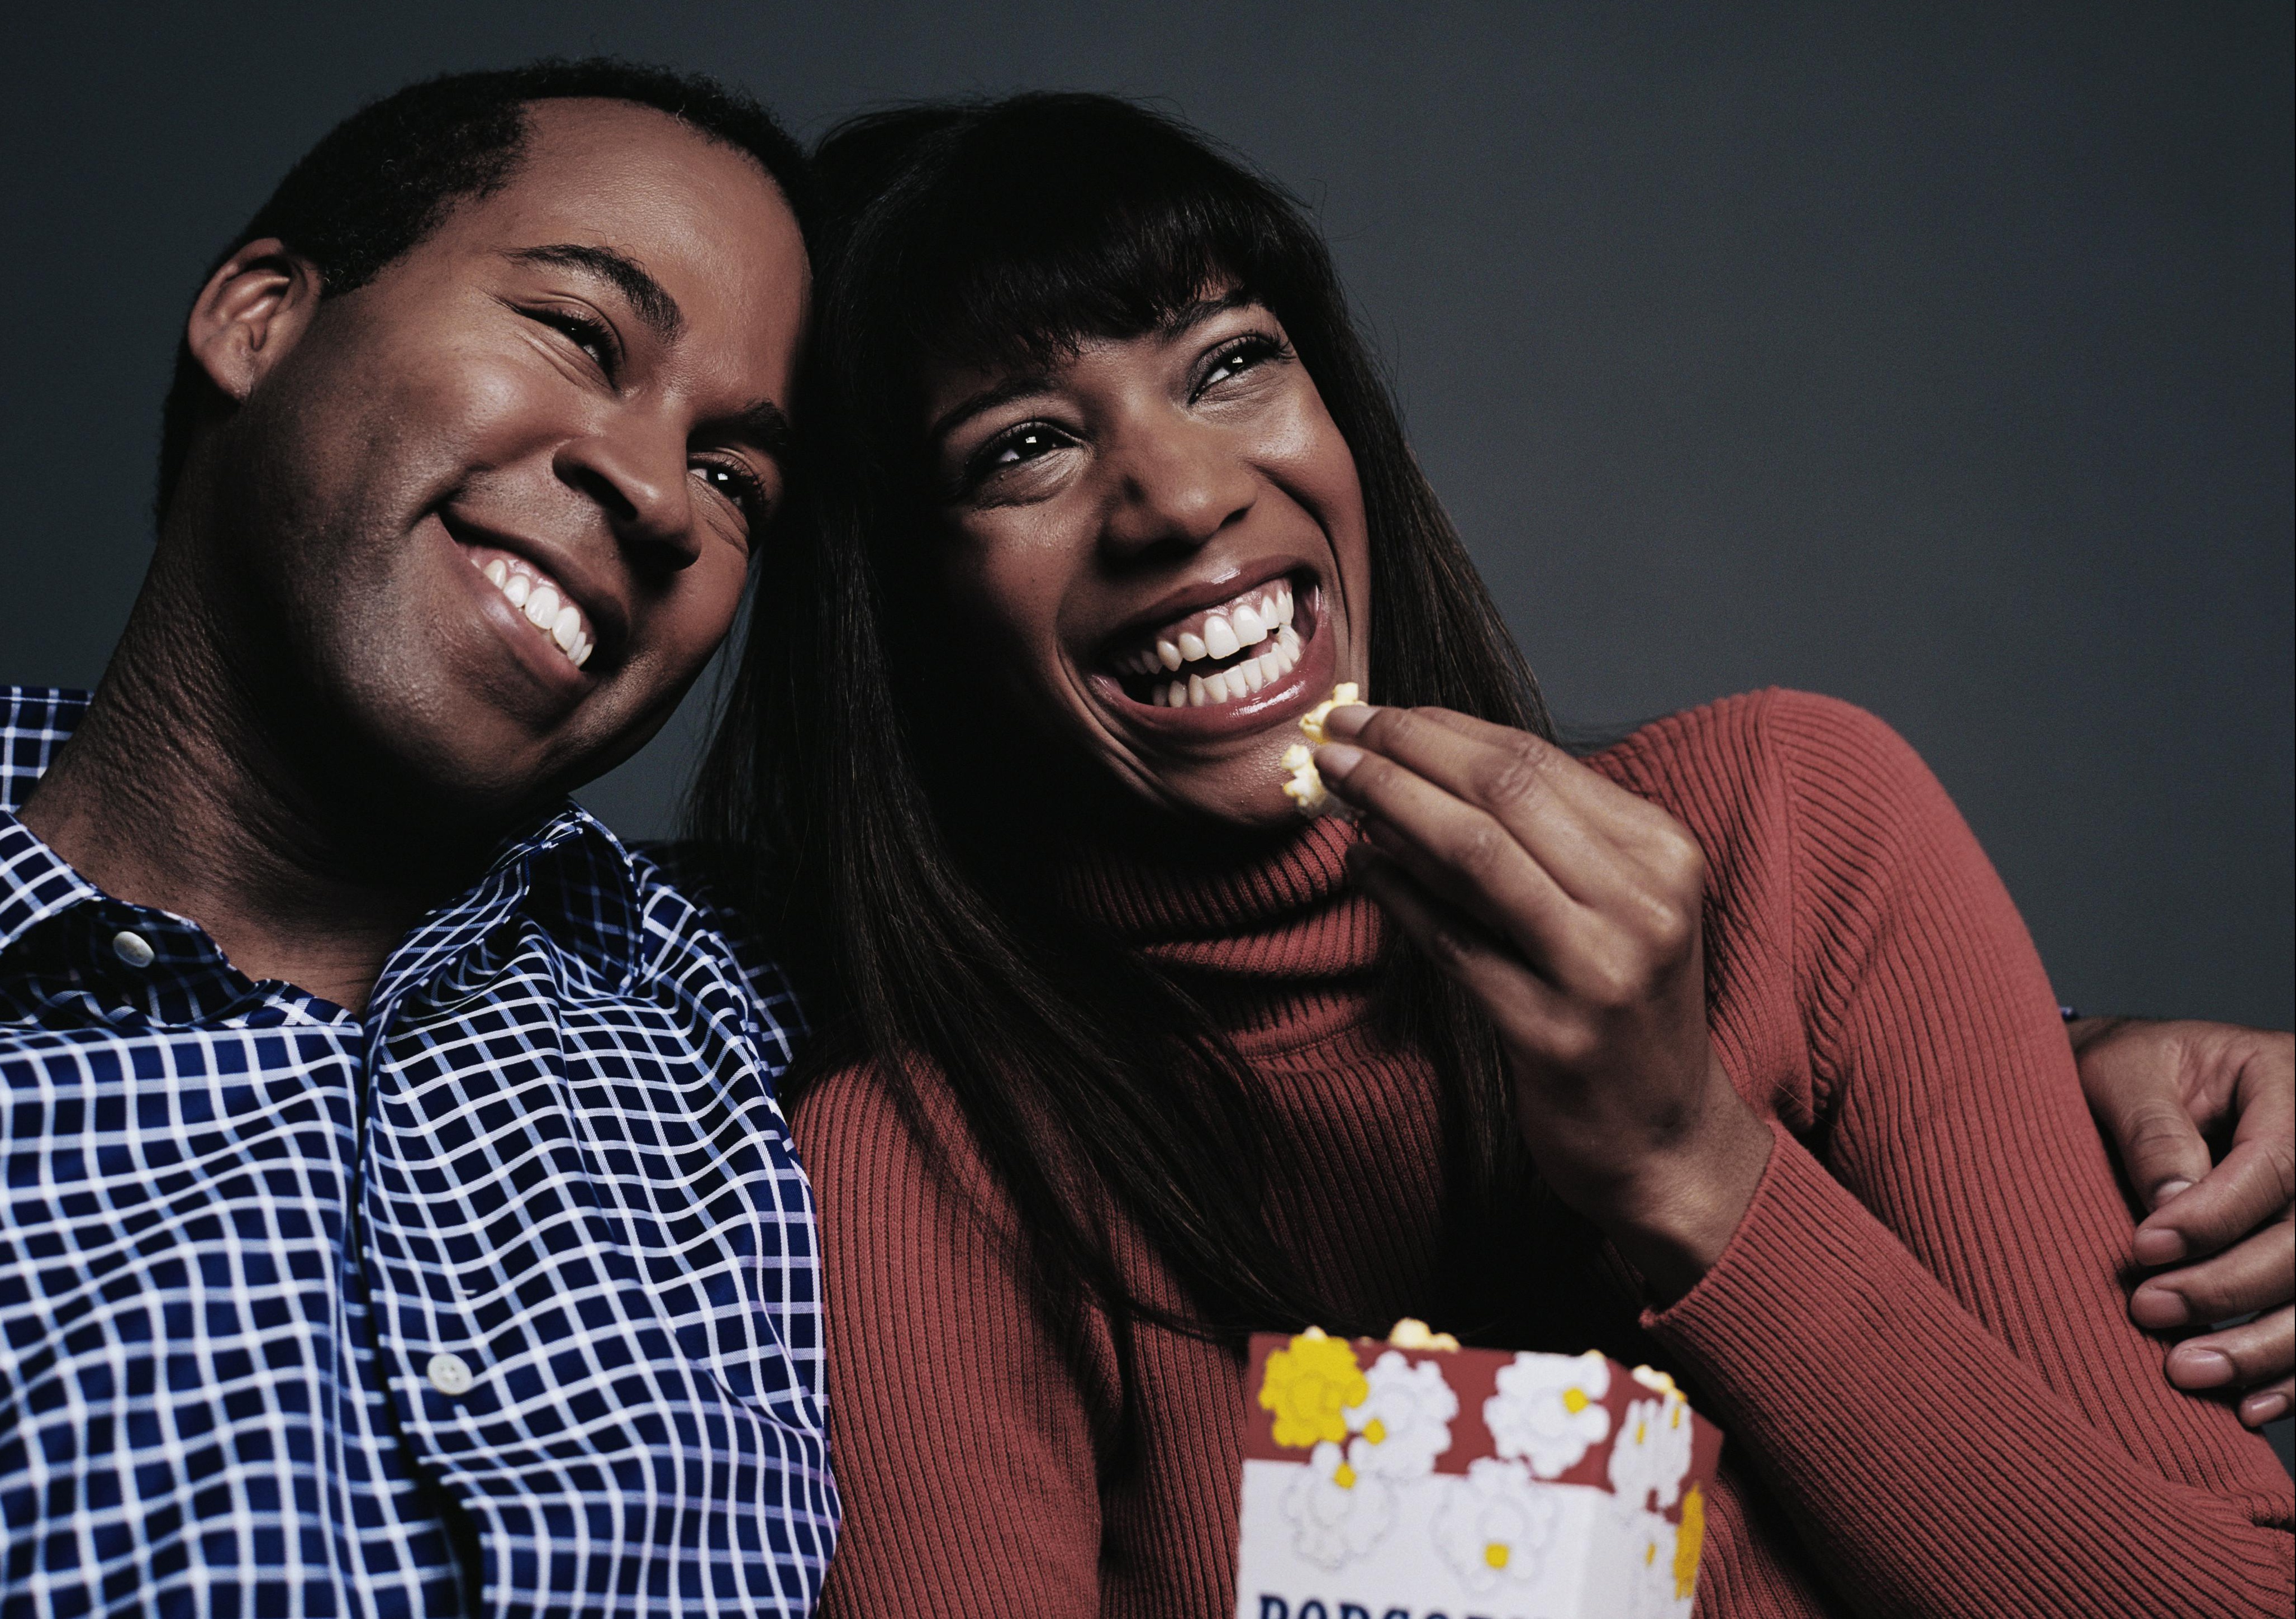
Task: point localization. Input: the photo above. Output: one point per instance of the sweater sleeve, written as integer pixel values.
(1919, 1331)
(961, 1427)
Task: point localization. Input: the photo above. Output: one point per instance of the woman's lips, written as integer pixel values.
(1215, 655)
(1275, 664)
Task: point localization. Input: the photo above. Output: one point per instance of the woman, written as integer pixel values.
(1723, 1050)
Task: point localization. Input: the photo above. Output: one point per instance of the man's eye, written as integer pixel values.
(738, 485)
(587, 335)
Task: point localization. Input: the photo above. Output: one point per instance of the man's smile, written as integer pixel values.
(545, 603)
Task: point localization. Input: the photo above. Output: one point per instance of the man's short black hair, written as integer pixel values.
(384, 178)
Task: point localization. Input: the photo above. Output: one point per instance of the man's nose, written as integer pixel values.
(637, 473)
(1178, 483)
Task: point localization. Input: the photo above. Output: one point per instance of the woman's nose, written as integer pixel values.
(1177, 484)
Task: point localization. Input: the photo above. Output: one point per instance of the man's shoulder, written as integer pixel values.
(35, 721)
(680, 894)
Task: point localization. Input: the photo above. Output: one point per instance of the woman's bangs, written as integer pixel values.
(1038, 251)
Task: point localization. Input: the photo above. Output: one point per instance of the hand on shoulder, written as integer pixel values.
(2220, 1236)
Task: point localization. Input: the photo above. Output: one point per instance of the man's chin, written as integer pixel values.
(463, 780)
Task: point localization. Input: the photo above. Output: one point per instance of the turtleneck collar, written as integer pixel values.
(1267, 933)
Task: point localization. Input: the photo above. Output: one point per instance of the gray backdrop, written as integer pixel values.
(1937, 358)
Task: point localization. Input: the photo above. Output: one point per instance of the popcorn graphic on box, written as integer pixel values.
(1419, 1479)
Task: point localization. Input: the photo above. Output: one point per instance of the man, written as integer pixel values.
(400, 1219)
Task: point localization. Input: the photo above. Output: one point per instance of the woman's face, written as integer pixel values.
(1158, 552)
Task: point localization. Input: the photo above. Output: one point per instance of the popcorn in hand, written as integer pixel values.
(1306, 788)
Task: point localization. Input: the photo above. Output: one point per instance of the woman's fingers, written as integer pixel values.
(1590, 896)
(2236, 1356)
(1460, 853)
(1524, 1009)
(2256, 1273)
(1590, 834)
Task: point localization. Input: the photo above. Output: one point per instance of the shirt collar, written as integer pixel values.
(569, 875)
(566, 871)
(35, 883)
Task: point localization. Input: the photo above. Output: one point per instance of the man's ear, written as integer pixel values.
(253, 310)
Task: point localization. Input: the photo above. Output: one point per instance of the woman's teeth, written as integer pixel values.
(1238, 679)
(546, 607)
(1260, 618)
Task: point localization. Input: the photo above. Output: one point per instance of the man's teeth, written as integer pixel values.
(546, 607)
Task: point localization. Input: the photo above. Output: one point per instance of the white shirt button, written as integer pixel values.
(450, 1375)
(132, 948)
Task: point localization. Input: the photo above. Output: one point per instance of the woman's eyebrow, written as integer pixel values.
(1020, 384)
(1197, 311)
(646, 296)
(1017, 385)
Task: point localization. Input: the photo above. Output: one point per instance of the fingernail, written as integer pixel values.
(2191, 1367)
(1347, 720)
(2158, 1245)
(1336, 761)
(2167, 1189)
(1382, 836)
(2258, 1410)
(2157, 1307)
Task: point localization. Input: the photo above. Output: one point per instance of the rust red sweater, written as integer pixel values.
(1918, 1339)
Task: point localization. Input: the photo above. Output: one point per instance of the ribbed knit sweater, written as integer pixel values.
(1917, 1340)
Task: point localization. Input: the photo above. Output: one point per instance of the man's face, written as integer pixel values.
(491, 512)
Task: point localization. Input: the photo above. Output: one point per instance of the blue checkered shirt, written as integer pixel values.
(500, 1298)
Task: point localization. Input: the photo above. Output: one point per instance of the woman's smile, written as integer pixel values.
(1254, 661)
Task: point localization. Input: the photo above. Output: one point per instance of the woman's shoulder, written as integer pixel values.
(843, 1102)
(1721, 749)
(1794, 772)
(1820, 827)
(868, 1126)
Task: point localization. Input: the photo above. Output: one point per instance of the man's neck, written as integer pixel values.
(175, 794)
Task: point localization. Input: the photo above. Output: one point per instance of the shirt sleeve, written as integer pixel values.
(1920, 1330)
(962, 1424)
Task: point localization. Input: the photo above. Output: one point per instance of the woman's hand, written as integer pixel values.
(1570, 910)
(2222, 1235)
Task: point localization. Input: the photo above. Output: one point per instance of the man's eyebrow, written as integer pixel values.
(764, 424)
(1017, 385)
(646, 296)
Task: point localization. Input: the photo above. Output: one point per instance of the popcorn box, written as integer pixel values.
(1382, 1480)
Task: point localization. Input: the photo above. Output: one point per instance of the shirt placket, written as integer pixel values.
(413, 1180)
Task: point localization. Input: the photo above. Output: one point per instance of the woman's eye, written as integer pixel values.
(1026, 445)
(1246, 355)
(1012, 448)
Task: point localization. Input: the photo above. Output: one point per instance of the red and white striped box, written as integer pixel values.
(1402, 1480)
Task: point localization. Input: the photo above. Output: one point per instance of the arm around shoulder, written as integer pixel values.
(1919, 1323)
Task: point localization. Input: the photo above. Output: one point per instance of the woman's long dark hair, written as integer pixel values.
(883, 836)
